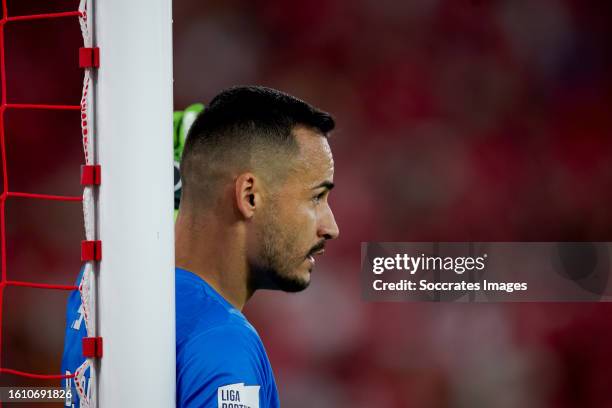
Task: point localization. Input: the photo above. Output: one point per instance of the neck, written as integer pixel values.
(214, 251)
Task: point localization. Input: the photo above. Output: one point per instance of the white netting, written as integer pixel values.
(87, 284)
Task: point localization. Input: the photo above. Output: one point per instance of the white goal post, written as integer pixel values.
(133, 127)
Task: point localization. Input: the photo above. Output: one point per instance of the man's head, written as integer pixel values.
(260, 159)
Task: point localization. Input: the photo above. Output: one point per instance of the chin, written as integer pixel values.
(296, 287)
(296, 283)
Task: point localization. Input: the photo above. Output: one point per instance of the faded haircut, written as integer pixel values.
(247, 128)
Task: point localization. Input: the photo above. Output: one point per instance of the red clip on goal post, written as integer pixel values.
(89, 57)
(92, 347)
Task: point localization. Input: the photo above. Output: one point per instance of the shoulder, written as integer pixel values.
(200, 309)
(231, 347)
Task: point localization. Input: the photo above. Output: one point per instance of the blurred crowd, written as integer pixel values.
(456, 121)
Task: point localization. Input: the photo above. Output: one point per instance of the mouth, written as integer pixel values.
(311, 256)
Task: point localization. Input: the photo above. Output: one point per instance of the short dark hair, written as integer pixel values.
(241, 124)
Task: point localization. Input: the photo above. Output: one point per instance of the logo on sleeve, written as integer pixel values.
(238, 396)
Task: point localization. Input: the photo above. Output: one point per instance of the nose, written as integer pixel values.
(328, 228)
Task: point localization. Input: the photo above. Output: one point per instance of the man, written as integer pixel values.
(257, 170)
(256, 174)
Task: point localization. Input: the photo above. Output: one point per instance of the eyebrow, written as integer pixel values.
(327, 184)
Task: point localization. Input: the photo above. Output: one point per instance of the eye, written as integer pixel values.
(316, 199)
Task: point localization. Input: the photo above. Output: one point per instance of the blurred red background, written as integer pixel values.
(457, 120)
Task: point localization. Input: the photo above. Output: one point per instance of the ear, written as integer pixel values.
(247, 194)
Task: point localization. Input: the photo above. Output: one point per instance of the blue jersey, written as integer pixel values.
(220, 359)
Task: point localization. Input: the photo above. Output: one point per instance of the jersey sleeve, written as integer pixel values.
(221, 367)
